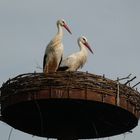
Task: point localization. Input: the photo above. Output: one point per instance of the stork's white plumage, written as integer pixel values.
(78, 59)
(54, 50)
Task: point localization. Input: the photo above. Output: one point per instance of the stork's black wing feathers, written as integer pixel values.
(60, 62)
(62, 68)
(44, 61)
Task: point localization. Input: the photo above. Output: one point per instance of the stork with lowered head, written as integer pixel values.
(78, 59)
(54, 50)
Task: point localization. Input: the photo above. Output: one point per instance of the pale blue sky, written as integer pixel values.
(111, 26)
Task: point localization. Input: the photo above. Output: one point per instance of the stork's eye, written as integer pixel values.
(84, 39)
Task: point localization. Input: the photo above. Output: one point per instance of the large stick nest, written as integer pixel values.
(72, 80)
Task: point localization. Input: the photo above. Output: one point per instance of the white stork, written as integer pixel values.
(78, 59)
(54, 50)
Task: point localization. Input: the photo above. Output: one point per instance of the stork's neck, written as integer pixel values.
(83, 49)
(60, 30)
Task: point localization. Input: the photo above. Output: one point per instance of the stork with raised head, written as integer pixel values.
(78, 59)
(54, 50)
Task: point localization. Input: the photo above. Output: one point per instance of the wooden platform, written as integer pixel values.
(69, 105)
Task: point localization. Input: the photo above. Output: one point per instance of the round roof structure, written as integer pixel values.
(69, 105)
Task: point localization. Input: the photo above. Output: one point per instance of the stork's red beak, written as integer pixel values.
(87, 45)
(67, 28)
